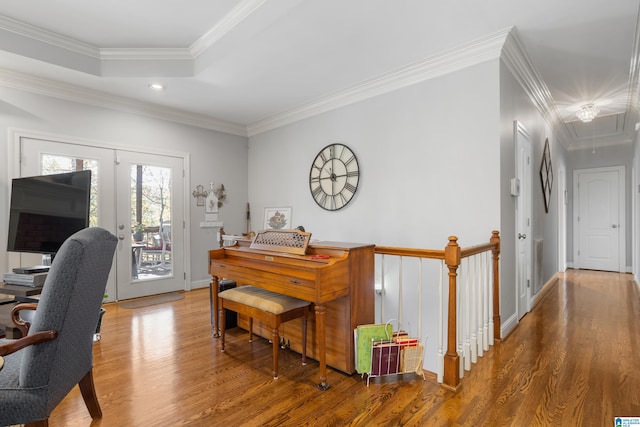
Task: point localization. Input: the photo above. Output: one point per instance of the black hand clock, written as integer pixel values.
(334, 176)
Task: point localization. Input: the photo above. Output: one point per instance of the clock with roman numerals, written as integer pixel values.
(334, 176)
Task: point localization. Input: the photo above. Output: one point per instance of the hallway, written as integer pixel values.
(574, 360)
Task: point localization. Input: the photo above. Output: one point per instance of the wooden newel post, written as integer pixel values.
(495, 240)
(451, 376)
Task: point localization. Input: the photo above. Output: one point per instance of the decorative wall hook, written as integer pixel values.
(200, 194)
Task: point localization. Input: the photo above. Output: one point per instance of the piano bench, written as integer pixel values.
(269, 307)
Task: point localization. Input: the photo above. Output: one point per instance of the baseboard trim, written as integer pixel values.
(545, 289)
(508, 326)
(198, 284)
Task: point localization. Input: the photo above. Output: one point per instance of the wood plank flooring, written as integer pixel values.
(573, 361)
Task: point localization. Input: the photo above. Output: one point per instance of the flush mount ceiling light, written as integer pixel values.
(156, 86)
(588, 112)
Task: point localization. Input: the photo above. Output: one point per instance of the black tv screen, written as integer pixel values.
(45, 210)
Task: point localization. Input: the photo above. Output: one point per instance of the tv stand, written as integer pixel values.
(21, 293)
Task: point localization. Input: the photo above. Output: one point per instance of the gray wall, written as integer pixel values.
(429, 164)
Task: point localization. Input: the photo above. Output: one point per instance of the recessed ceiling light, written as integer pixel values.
(156, 86)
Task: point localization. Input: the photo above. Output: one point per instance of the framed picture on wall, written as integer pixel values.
(546, 175)
(277, 218)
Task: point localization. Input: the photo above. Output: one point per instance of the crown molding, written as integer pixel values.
(633, 103)
(48, 37)
(186, 55)
(468, 54)
(516, 59)
(33, 84)
(226, 24)
(145, 53)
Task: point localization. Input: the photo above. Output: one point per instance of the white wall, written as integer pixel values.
(215, 156)
(428, 156)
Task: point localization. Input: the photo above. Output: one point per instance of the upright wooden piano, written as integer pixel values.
(337, 277)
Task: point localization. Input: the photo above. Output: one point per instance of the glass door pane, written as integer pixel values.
(148, 210)
(52, 164)
(151, 221)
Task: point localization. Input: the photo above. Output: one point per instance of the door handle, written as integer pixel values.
(614, 226)
(522, 236)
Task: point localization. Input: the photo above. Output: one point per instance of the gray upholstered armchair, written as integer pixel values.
(57, 353)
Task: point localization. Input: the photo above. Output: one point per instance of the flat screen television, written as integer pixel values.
(45, 210)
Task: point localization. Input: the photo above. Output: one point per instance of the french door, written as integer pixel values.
(128, 188)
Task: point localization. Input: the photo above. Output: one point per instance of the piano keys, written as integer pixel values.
(337, 277)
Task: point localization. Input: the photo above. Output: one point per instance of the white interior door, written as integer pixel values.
(523, 221)
(599, 219)
(139, 270)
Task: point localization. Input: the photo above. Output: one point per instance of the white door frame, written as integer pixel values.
(562, 221)
(622, 253)
(523, 213)
(634, 224)
(13, 149)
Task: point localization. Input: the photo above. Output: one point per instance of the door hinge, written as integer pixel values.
(528, 283)
(184, 275)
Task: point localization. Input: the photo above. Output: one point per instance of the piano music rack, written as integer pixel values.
(289, 241)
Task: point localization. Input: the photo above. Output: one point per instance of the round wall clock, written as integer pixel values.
(334, 176)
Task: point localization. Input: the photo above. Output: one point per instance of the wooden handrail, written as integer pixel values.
(452, 256)
(410, 252)
(477, 249)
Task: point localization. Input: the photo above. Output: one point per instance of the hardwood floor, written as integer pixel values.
(573, 361)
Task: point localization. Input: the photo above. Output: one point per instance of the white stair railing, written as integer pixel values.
(414, 293)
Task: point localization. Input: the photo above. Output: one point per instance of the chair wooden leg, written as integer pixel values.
(89, 395)
(222, 316)
(275, 338)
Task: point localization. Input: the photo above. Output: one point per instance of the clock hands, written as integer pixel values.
(332, 176)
